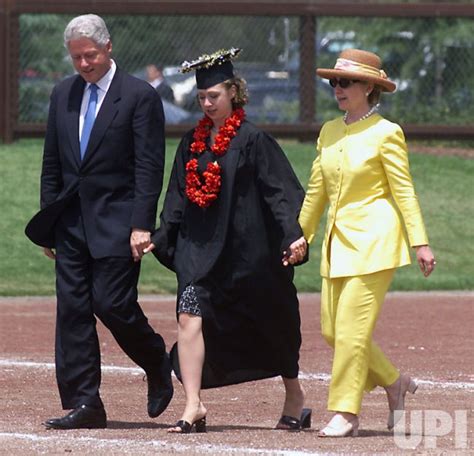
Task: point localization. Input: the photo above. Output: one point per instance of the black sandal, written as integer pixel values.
(186, 427)
(289, 423)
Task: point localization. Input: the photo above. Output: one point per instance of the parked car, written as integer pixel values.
(269, 87)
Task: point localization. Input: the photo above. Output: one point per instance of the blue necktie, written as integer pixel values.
(89, 119)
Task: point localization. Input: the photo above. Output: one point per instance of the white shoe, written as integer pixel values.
(405, 383)
(341, 427)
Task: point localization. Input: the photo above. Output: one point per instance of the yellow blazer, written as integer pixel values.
(362, 171)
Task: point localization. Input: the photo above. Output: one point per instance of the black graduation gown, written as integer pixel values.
(231, 253)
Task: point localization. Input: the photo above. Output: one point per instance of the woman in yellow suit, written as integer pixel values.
(361, 171)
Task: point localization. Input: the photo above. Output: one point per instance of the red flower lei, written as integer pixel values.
(204, 194)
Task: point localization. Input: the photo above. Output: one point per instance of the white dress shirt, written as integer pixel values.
(103, 85)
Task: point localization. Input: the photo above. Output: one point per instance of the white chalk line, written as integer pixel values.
(205, 448)
(6, 363)
(154, 444)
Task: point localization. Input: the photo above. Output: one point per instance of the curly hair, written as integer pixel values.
(242, 97)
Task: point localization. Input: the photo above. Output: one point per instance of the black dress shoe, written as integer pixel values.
(160, 388)
(289, 423)
(184, 427)
(83, 417)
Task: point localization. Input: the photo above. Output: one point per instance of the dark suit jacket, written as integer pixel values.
(120, 178)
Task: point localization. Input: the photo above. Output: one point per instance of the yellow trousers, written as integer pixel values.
(349, 310)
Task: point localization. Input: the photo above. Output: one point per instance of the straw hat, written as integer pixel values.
(360, 65)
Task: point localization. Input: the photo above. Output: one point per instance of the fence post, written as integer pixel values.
(4, 13)
(307, 69)
(8, 76)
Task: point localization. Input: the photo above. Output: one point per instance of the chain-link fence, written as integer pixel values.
(431, 59)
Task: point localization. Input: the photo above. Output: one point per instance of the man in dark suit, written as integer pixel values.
(101, 179)
(157, 80)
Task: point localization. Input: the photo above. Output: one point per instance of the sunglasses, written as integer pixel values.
(343, 83)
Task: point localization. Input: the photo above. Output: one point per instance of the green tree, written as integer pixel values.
(432, 59)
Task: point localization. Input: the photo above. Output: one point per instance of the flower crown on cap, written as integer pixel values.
(209, 60)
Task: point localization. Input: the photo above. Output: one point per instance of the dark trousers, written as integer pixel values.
(86, 288)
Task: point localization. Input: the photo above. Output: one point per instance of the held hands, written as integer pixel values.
(49, 253)
(296, 252)
(140, 240)
(150, 247)
(425, 259)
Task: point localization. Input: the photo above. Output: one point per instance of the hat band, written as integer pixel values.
(350, 65)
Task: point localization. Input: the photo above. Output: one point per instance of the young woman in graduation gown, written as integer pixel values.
(229, 219)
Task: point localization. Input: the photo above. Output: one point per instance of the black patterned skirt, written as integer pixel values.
(188, 302)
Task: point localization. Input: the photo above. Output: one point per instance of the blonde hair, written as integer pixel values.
(242, 96)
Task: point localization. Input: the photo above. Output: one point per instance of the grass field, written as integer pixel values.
(444, 185)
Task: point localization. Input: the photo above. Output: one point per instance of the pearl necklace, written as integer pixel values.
(366, 115)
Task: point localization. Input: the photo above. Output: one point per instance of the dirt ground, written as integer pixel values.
(427, 335)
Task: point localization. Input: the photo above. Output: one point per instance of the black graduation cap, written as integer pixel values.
(212, 69)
